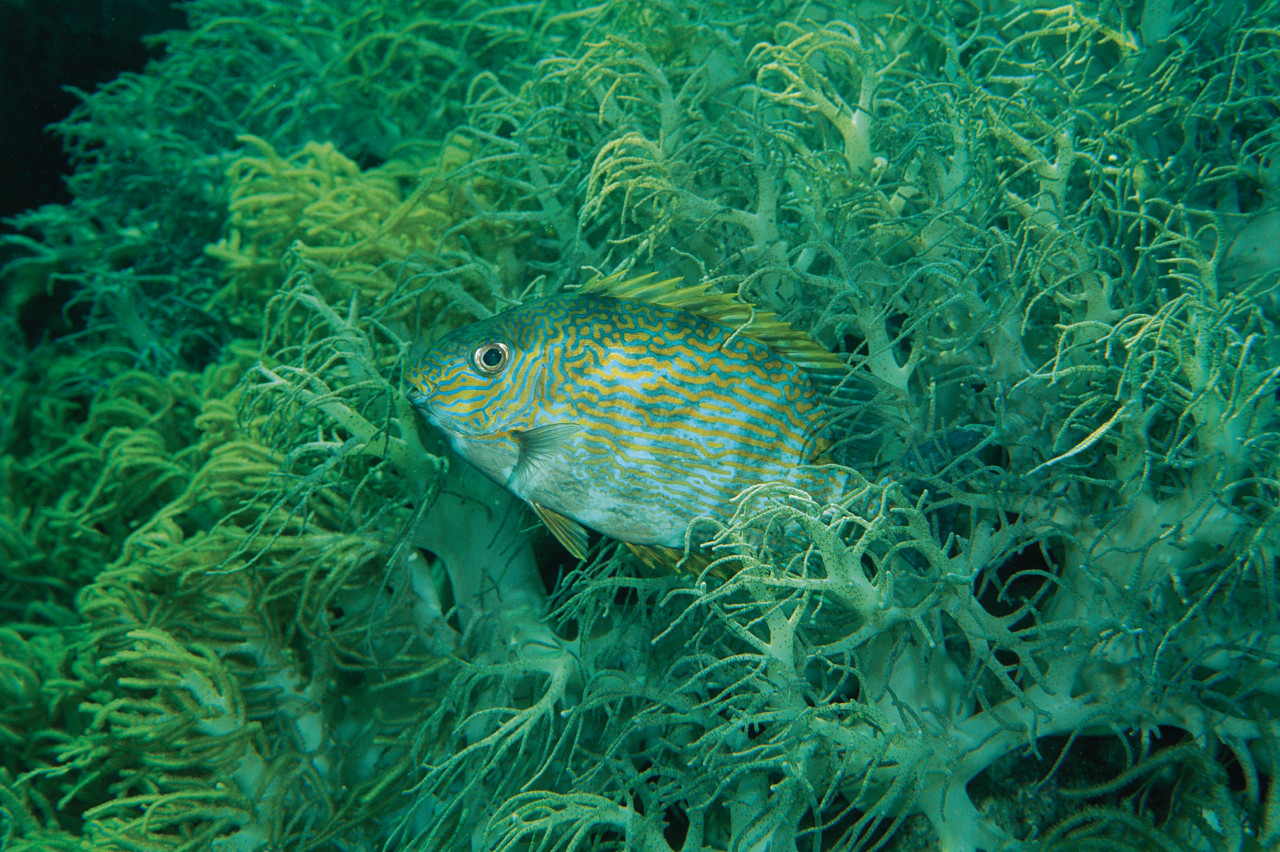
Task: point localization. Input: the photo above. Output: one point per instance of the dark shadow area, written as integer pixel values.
(45, 48)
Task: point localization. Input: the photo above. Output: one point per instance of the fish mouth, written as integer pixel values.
(418, 399)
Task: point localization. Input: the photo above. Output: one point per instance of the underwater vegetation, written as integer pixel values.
(249, 601)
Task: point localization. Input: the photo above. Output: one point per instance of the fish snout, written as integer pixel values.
(417, 394)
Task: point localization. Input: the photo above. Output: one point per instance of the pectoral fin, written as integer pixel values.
(537, 447)
(567, 531)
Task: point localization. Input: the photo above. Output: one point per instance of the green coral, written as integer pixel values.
(360, 227)
(250, 603)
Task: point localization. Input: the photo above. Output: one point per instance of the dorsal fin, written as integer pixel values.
(724, 308)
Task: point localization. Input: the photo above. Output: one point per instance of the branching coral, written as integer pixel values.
(250, 604)
(359, 227)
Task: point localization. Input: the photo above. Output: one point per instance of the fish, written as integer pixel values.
(633, 406)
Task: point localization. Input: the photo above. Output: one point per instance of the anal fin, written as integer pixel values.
(662, 558)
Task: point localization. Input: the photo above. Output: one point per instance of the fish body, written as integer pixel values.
(630, 407)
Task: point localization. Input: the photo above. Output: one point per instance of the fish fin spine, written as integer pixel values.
(567, 531)
(537, 447)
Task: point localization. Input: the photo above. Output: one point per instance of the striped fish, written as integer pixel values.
(632, 407)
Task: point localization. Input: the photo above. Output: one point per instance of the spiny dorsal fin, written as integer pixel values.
(724, 308)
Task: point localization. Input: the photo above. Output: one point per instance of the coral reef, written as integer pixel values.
(249, 602)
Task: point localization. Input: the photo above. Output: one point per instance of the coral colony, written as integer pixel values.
(249, 600)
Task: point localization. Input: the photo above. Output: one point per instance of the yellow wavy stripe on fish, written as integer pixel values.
(632, 407)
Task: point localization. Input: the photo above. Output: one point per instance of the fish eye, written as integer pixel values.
(491, 357)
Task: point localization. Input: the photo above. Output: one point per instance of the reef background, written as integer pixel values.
(247, 602)
(45, 55)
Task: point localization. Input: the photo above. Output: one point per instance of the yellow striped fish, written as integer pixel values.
(632, 407)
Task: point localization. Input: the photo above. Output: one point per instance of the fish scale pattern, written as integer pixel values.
(675, 413)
